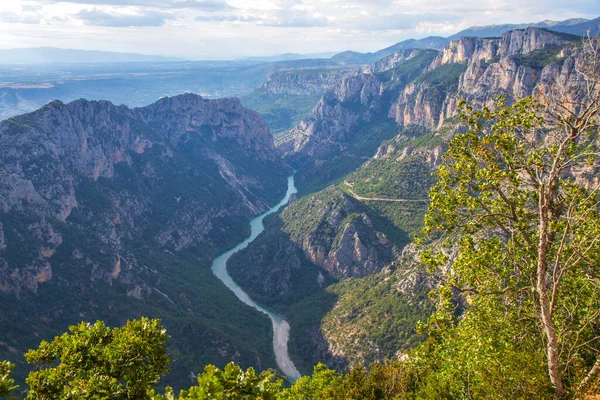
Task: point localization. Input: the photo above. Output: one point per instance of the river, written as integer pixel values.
(281, 328)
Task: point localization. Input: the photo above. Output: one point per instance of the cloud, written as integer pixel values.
(228, 18)
(403, 22)
(100, 18)
(287, 13)
(296, 18)
(286, 20)
(14, 18)
(204, 5)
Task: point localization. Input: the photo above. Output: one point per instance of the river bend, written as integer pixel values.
(281, 328)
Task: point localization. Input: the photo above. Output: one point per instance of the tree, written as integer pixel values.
(6, 382)
(519, 195)
(95, 361)
(324, 384)
(231, 382)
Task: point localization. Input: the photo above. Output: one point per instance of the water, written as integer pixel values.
(281, 328)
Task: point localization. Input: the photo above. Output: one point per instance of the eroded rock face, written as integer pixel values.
(175, 172)
(336, 117)
(304, 82)
(474, 69)
(336, 236)
(390, 62)
(492, 67)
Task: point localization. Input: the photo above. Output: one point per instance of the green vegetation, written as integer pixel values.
(230, 383)
(538, 59)
(281, 112)
(280, 275)
(446, 75)
(364, 137)
(527, 263)
(382, 310)
(6, 382)
(95, 361)
(171, 282)
(408, 70)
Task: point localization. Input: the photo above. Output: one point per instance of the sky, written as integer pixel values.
(228, 29)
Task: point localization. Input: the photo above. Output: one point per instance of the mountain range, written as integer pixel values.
(51, 55)
(112, 212)
(574, 26)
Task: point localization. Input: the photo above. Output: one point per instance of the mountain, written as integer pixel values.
(110, 213)
(423, 88)
(288, 96)
(289, 57)
(431, 42)
(52, 55)
(378, 136)
(574, 26)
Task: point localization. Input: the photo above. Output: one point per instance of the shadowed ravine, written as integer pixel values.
(281, 328)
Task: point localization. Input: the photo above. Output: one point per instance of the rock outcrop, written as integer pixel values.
(62, 158)
(337, 235)
(400, 91)
(304, 82)
(111, 213)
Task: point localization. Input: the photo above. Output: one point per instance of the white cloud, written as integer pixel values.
(98, 17)
(205, 5)
(20, 18)
(232, 28)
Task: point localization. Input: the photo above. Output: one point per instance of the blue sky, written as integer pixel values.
(223, 29)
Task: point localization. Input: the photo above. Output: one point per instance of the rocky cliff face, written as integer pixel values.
(519, 64)
(99, 204)
(392, 61)
(52, 157)
(319, 236)
(349, 122)
(335, 117)
(337, 236)
(304, 82)
(401, 91)
(363, 325)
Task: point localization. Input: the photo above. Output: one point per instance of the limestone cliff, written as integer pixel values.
(108, 212)
(423, 87)
(304, 82)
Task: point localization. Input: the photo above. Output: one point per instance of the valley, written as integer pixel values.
(281, 328)
(126, 198)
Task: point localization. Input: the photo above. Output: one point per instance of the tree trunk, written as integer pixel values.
(542, 290)
(587, 381)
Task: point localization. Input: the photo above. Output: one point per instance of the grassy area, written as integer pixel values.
(281, 112)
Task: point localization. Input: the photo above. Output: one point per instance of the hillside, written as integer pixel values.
(573, 26)
(416, 95)
(112, 213)
(424, 89)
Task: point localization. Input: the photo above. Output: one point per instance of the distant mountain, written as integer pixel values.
(352, 57)
(52, 55)
(574, 26)
(289, 57)
(430, 42)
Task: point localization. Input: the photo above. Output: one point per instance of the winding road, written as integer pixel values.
(281, 328)
(361, 198)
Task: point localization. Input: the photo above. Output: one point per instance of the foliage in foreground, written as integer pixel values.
(519, 310)
(6, 382)
(97, 362)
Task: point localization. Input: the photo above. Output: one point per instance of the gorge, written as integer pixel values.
(281, 328)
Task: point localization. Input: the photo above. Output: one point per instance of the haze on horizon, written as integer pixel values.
(226, 29)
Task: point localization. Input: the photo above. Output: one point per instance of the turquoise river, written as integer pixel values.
(281, 328)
